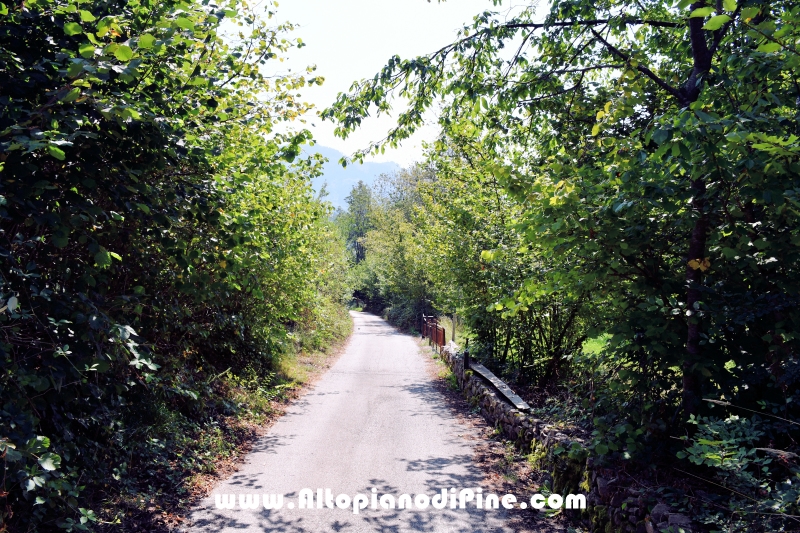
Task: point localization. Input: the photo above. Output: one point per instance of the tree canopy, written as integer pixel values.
(613, 123)
(648, 157)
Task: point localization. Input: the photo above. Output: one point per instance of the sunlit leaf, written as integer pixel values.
(56, 152)
(50, 461)
(146, 41)
(701, 12)
(769, 47)
(72, 28)
(123, 52)
(715, 23)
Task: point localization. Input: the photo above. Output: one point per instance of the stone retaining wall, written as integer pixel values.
(612, 504)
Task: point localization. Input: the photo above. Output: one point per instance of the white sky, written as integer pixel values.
(349, 40)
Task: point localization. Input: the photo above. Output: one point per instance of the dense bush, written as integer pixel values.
(155, 234)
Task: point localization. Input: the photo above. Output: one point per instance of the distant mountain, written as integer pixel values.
(341, 180)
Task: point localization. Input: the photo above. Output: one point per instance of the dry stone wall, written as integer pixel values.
(612, 504)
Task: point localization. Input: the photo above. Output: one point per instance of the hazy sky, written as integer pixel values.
(352, 39)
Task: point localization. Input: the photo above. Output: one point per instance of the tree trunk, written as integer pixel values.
(692, 379)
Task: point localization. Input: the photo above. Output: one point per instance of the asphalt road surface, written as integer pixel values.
(374, 420)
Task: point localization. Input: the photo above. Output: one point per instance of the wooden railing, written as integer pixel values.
(433, 331)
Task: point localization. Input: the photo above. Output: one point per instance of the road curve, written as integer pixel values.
(374, 420)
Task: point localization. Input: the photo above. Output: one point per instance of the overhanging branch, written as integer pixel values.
(593, 22)
(644, 70)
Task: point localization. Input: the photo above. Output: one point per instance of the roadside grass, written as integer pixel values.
(443, 371)
(184, 454)
(296, 369)
(312, 347)
(508, 461)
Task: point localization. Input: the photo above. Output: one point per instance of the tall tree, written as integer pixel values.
(654, 146)
(358, 221)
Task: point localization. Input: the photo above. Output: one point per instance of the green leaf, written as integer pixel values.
(715, 23)
(102, 258)
(50, 461)
(72, 95)
(115, 256)
(56, 152)
(185, 23)
(86, 50)
(705, 117)
(701, 12)
(123, 52)
(72, 28)
(769, 47)
(146, 41)
(601, 449)
(750, 12)
(659, 136)
(86, 16)
(3, 9)
(131, 113)
(729, 5)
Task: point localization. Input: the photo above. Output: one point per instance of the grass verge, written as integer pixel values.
(183, 455)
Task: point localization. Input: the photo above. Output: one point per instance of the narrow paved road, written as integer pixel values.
(374, 420)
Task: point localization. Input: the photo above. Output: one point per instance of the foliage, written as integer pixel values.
(357, 219)
(427, 252)
(653, 151)
(390, 274)
(482, 260)
(761, 481)
(647, 157)
(156, 234)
